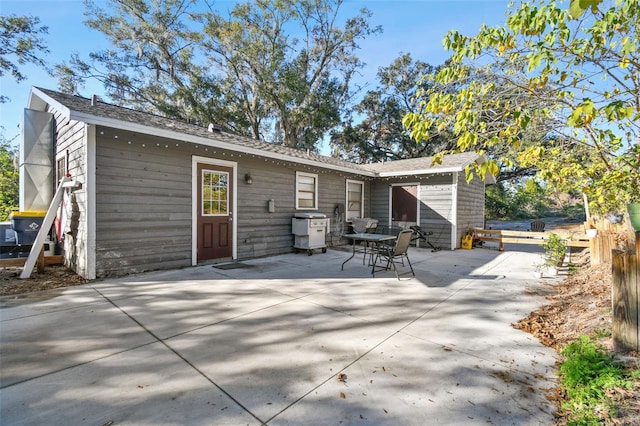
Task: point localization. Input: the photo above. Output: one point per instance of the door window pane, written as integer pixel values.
(215, 193)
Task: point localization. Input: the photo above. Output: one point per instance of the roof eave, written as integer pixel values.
(38, 100)
(431, 171)
(173, 134)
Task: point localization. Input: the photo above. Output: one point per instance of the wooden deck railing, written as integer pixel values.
(503, 236)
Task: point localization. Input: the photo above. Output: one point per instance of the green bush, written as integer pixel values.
(554, 250)
(8, 180)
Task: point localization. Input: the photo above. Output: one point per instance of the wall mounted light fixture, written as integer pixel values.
(248, 179)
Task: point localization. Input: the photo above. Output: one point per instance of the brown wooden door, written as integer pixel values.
(404, 203)
(215, 212)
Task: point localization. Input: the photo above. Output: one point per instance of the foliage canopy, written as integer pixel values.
(580, 77)
(21, 42)
(380, 135)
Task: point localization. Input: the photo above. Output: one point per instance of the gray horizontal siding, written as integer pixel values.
(261, 233)
(70, 142)
(143, 204)
(470, 205)
(379, 202)
(436, 212)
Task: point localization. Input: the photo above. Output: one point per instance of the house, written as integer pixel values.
(157, 193)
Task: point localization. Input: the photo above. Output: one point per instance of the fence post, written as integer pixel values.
(625, 298)
(594, 250)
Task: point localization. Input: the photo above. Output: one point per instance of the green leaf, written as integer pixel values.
(577, 7)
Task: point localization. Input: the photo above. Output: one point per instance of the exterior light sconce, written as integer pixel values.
(248, 179)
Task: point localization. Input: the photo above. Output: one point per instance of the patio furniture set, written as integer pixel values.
(386, 248)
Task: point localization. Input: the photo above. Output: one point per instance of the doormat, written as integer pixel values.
(234, 265)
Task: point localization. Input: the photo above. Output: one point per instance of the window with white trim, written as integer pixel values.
(355, 199)
(306, 191)
(61, 168)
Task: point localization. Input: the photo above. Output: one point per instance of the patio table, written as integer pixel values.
(367, 238)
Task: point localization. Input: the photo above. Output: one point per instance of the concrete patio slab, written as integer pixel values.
(41, 344)
(264, 343)
(270, 358)
(48, 301)
(169, 312)
(413, 382)
(145, 386)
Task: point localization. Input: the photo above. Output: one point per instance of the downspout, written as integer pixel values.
(454, 211)
(90, 194)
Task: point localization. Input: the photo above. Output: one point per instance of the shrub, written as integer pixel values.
(588, 374)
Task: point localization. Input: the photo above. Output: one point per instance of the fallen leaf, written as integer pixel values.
(342, 395)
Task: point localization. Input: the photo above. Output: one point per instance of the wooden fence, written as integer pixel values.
(503, 237)
(625, 298)
(604, 249)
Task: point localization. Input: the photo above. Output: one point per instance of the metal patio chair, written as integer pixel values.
(387, 256)
(365, 225)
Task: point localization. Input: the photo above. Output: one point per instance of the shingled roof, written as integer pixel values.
(104, 114)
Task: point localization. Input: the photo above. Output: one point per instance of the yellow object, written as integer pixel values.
(28, 214)
(467, 242)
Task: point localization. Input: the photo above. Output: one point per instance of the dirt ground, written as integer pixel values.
(581, 304)
(54, 276)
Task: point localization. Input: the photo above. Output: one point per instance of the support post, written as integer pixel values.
(38, 244)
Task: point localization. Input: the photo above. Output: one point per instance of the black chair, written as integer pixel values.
(537, 226)
(423, 235)
(387, 256)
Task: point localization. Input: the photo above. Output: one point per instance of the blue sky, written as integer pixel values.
(410, 26)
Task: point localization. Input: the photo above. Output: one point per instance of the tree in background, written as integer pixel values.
(21, 42)
(154, 62)
(579, 75)
(301, 78)
(517, 199)
(9, 183)
(380, 135)
(274, 70)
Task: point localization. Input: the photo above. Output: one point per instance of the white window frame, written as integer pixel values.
(346, 201)
(315, 190)
(62, 162)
